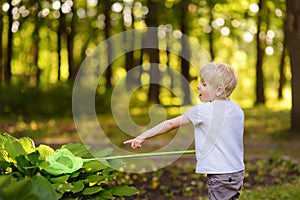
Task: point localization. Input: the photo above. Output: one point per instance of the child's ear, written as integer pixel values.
(220, 91)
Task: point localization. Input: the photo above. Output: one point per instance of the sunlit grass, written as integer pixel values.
(50, 131)
(266, 134)
(263, 121)
(278, 192)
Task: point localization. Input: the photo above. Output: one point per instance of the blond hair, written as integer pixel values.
(220, 75)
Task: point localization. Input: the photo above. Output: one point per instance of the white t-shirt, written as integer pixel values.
(219, 127)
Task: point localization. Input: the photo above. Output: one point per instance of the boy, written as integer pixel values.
(218, 129)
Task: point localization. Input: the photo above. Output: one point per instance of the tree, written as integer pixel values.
(60, 31)
(185, 50)
(129, 41)
(36, 38)
(107, 31)
(1, 44)
(259, 90)
(70, 31)
(152, 21)
(293, 41)
(211, 5)
(9, 48)
(282, 78)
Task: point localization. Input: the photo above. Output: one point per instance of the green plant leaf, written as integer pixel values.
(27, 144)
(62, 162)
(75, 174)
(105, 194)
(25, 166)
(15, 189)
(60, 179)
(44, 151)
(43, 164)
(13, 147)
(96, 164)
(43, 188)
(4, 155)
(63, 187)
(34, 157)
(30, 196)
(2, 140)
(3, 166)
(5, 180)
(103, 153)
(95, 178)
(78, 149)
(78, 186)
(116, 164)
(123, 191)
(91, 190)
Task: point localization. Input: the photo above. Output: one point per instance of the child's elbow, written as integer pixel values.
(170, 125)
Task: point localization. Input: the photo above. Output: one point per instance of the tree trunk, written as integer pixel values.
(132, 79)
(70, 40)
(70, 45)
(153, 93)
(1, 47)
(152, 21)
(170, 72)
(185, 52)
(58, 53)
(129, 59)
(259, 91)
(282, 78)
(107, 7)
(9, 49)
(60, 32)
(211, 33)
(293, 41)
(35, 54)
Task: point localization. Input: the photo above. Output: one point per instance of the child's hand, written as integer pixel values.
(135, 143)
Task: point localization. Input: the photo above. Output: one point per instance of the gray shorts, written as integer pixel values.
(225, 186)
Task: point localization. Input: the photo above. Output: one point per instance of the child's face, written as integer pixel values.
(206, 92)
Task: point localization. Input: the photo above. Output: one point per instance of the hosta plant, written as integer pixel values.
(69, 172)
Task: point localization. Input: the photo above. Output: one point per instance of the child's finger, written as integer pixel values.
(128, 141)
(135, 145)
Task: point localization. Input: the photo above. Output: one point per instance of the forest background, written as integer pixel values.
(249, 35)
(44, 43)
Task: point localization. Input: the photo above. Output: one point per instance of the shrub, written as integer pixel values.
(29, 172)
(54, 100)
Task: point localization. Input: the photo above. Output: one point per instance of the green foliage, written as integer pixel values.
(28, 172)
(273, 170)
(36, 187)
(63, 162)
(219, 25)
(53, 100)
(23, 99)
(284, 191)
(273, 178)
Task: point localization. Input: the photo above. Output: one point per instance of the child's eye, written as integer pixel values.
(204, 84)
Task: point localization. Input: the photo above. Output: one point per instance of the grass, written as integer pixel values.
(272, 178)
(286, 191)
(266, 131)
(266, 139)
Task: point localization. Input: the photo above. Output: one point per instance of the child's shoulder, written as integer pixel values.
(234, 103)
(236, 107)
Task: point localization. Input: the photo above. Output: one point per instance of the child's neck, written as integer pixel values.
(219, 98)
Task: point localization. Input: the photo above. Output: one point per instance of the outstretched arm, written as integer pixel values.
(161, 128)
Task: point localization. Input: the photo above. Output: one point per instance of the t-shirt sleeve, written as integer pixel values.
(195, 114)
